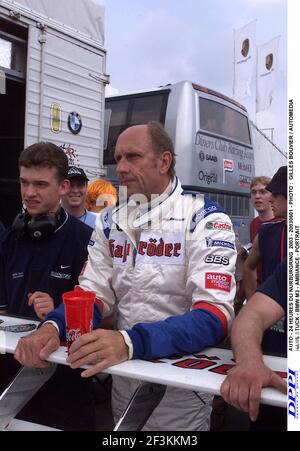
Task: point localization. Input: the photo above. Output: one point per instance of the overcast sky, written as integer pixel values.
(154, 42)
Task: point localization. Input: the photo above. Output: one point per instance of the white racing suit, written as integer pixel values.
(176, 260)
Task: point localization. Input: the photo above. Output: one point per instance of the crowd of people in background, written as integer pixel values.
(73, 232)
(261, 326)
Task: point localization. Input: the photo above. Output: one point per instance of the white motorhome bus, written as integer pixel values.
(212, 138)
(52, 63)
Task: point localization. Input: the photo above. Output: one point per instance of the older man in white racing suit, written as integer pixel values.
(167, 263)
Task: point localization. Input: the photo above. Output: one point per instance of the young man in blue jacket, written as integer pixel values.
(41, 257)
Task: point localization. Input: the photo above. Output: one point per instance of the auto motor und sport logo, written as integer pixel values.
(217, 281)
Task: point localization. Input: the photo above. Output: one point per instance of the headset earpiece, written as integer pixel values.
(41, 226)
(19, 224)
(35, 228)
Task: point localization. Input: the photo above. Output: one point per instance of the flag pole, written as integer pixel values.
(233, 78)
(256, 83)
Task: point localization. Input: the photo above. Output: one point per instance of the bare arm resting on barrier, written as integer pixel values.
(34, 349)
(242, 387)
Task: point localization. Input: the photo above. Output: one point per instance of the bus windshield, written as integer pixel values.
(132, 110)
(223, 121)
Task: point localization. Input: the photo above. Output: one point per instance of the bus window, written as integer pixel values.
(245, 206)
(118, 119)
(223, 121)
(213, 197)
(146, 109)
(221, 200)
(228, 204)
(132, 110)
(235, 206)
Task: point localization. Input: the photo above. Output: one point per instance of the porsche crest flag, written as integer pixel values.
(244, 60)
(267, 71)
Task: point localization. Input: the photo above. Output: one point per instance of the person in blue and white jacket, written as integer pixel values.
(166, 262)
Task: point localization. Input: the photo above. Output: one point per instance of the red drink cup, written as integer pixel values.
(79, 311)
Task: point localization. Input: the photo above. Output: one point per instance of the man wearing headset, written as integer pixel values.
(41, 257)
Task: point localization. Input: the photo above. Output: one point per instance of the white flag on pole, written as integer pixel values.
(244, 59)
(267, 70)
